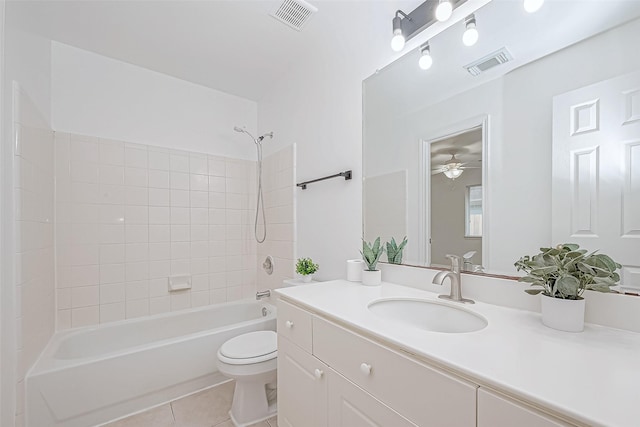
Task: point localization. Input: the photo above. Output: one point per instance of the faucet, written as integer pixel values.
(263, 294)
(454, 278)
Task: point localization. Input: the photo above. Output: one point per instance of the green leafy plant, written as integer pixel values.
(305, 266)
(566, 271)
(394, 251)
(371, 253)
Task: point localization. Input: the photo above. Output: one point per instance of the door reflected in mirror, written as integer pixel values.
(455, 198)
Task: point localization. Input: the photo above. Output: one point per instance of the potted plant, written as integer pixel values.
(305, 267)
(562, 274)
(371, 254)
(394, 251)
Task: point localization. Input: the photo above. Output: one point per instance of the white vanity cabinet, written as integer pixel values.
(495, 410)
(348, 380)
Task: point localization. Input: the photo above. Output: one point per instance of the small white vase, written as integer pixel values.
(563, 314)
(371, 278)
(306, 278)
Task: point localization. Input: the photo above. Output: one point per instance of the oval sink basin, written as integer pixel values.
(428, 315)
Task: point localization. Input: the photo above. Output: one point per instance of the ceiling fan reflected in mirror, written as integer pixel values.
(453, 168)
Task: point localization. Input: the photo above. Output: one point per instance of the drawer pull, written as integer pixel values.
(365, 368)
(289, 324)
(318, 373)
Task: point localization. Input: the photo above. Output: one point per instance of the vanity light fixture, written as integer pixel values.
(444, 10)
(397, 42)
(532, 6)
(470, 36)
(425, 60)
(408, 25)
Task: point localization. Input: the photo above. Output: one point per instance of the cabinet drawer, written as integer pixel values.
(422, 394)
(495, 410)
(294, 324)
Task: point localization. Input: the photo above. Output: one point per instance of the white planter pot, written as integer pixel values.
(306, 278)
(371, 278)
(563, 314)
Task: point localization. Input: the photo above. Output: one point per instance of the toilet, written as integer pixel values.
(251, 360)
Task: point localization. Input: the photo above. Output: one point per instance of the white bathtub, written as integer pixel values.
(88, 376)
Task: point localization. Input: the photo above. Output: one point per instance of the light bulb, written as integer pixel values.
(425, 60)
(444, 10)
(532, 5)
(397, 42)
(470, 36)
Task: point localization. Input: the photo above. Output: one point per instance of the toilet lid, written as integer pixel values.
(261, 345)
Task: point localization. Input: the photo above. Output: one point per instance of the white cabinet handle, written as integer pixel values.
(289, 324)
(365, 368)
(318, 373)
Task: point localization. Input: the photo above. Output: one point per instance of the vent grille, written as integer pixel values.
(294, 13)
(492, 60)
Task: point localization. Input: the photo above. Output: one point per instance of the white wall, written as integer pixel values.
(317, 106)
(98, 96)
(27, 276)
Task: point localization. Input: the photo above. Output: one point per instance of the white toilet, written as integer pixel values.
(251, 360)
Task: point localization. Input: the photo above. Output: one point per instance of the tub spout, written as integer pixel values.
(263, 294)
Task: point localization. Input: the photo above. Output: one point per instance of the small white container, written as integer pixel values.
(371, 278)
(354, 270)
(562, 314)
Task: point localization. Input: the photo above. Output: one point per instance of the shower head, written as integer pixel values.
(268, 134)
(238, 129)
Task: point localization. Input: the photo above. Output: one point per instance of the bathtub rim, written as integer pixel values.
(46, 362)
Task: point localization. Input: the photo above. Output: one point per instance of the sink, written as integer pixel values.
(428, 315)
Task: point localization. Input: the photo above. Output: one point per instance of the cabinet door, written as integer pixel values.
(350, 406)
(302, 387)
(495, 410)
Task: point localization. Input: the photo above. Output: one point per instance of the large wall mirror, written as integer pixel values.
(528, 138)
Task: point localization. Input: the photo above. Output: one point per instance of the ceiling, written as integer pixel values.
(230, 45)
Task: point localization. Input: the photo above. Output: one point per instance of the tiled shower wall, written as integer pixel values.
(34, 240)
(279, 192)
(129, 216)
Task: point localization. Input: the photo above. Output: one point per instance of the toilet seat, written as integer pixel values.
(246, 349)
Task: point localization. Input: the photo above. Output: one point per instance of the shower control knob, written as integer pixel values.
(365, 368)
(289, 324)
(318, 373)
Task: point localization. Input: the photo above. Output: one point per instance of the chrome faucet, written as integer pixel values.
(263, 294)
(454, 278)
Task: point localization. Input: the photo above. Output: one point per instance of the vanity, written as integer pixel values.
(340, 363)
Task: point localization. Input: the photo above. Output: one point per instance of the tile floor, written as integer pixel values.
(208, 408)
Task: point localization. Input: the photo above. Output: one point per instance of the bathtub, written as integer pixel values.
(89, 376)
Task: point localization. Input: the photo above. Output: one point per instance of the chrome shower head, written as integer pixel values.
(238, 129)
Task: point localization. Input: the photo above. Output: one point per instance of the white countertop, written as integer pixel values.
(592, 377)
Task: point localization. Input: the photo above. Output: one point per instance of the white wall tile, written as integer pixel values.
(112, 293)
(199, 199)
(112, 273)
(198, 164)
(129, 216)
(112, 312)
(85, 316)
(158, 179)
(111, 153)
(134, 157)
(158, 197)
(137, 308)
(136, 177)
(158, 160)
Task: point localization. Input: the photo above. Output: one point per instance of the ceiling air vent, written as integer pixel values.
(294, 13)
(492, 60)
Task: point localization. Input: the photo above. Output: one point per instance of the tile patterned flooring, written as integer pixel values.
(208, 408)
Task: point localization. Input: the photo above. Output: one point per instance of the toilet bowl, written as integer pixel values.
(251, 360)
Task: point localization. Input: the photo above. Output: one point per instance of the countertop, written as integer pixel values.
(591, 377)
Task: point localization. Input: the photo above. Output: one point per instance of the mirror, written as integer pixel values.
(519, 69)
